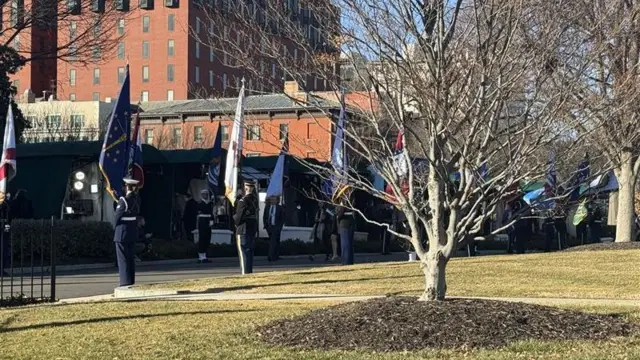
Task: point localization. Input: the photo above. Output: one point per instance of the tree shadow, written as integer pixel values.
(308, 282)
(55, 324)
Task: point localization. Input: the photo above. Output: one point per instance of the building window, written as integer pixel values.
(211, 27)
(225, 133)
(211, 78)
(77, 122)
(145, 74)
(145, 49)
(170, 72)
(121, 27)
(16, 42)
(171, 20)
(284, 129)
(198, 134)
(121, 75)
(121, 50)
(95, 96)
(295, 55)
(197, 50)
(96, 52)
(73, 26)
(145, 24)
(197, 75)
(170, 95)
(177, 137)
(53, 121)
(197, 25)
(96, 76)
(253, 132)
(212, 54)
(171, 50)
(72, 77)
(224, 82)
(144, 96)
(148, 136)
(273, 71)
(72, 97)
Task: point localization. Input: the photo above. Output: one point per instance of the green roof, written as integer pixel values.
(78, 149)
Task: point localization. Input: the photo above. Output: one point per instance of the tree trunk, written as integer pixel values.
(433, 268)
(626, 190)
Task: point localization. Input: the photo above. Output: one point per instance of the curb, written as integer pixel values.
(129, 292)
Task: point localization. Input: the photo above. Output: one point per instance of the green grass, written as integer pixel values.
(222, 330)
(591, 275)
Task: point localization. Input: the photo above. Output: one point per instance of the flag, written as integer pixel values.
(550, 184)
(275, 183)
(114, 157)
(213, 175)
(8, 163)
(400, 166)
(579, 177)
(339, 157)
(581, 213)
(135, 153)
(234, 152)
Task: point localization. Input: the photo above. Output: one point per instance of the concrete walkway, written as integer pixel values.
(132, 294)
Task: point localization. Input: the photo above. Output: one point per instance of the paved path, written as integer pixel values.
(91, 282)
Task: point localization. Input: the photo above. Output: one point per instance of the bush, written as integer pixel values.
(76, 241)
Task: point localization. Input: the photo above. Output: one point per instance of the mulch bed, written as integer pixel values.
(606, 246)
(404, 324)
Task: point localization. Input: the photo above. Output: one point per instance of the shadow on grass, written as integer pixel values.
(56, 324)
(309, 282)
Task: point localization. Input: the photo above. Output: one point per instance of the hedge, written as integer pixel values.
(76, 241)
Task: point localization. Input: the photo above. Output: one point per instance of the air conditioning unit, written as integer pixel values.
(146, 4)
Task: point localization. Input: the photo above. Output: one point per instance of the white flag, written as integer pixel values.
(8, 161)
(234, 152)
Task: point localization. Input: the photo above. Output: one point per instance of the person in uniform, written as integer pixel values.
(246, 221)
(273, 221)
(346, 230)
(204, 221)
(126, 232)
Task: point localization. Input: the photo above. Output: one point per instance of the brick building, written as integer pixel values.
(189, 124)
(166, 61)
(32, 38)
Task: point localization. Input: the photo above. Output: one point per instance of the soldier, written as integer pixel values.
(204, 221)
(246, 220)
(126, 232)
(346, 229)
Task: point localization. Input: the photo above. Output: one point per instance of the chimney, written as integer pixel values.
(28, 97)
(292, 90)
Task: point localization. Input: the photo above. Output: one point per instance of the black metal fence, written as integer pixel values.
(28, 267)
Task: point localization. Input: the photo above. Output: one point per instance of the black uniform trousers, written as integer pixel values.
(274, 242)
(126, 235)
(204, 233)
(245, 244)
(346, 245)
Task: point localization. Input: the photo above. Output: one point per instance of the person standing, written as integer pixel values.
(346, 230)
(549, 231)
(190, 216)
(204, 221)
(595, 224)
(246, 221)
(273, 221)
(126, 232)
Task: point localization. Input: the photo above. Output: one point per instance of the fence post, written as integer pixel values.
(53, 265)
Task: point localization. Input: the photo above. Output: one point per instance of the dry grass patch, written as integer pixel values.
(592, 275)
(220, 330)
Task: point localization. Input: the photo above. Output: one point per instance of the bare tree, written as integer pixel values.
(598, 64)
(466, 81)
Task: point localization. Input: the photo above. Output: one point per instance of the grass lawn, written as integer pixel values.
(221, 330)
(597, 274)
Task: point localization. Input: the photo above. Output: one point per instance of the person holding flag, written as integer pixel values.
(114, 165)
(273, 219)
(8, 171)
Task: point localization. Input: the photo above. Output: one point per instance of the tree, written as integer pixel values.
(10, 62)
(466, 81)
(598, 63)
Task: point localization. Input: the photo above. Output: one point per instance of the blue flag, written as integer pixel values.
(213, 175)
(339, 157)
(579, 177)
(277, 177)
(114, 157)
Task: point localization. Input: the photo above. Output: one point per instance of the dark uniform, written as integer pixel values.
(246, 220)
(345, 227)
(203, 221)
(126, 235)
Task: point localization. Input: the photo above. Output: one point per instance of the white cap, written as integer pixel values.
(130, 181)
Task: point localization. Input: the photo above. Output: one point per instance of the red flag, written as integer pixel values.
(400, 167)
(8, 161)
